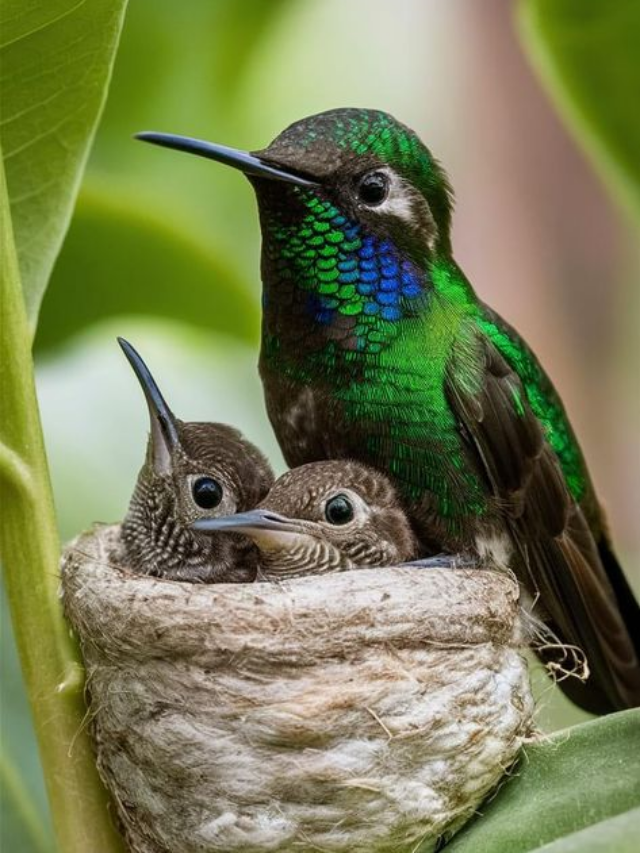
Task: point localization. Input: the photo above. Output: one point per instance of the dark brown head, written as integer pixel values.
(373, 169)
(325, 517)
(355, 215)
(191, 471)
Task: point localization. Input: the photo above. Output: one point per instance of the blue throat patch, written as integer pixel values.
(353, 279)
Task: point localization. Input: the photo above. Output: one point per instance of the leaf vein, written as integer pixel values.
(44, 25)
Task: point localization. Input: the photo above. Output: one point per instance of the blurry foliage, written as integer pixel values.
(153, 268)
(126, 251)
(158, 235)
(587, 53)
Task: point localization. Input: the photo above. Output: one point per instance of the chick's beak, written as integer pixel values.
(164, 430)
(270, 531)
(255, 523)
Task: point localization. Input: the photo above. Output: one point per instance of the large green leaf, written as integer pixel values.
(56, 63)
(120, 258)
(568, 793)
(619, 834)
(587, 53)
(153, 232)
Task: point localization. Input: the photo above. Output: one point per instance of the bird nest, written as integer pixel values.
(370, 710)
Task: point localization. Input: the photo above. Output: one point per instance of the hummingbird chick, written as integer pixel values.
(191, 470)
(324, 517)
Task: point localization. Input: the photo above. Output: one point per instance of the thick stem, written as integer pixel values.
(30, 552)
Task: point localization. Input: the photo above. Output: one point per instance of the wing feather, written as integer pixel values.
(556, 555)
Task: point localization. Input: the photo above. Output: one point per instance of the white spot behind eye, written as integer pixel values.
(399, 200)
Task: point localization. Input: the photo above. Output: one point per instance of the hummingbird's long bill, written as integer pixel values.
(162, 418)
(242, 160)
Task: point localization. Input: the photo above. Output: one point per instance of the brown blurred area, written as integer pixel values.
(545, 245)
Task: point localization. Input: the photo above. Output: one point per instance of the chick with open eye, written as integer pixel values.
(192, 470)
(324, 517)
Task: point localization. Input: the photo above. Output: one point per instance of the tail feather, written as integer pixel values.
(627, 603)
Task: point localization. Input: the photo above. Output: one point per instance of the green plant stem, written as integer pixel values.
(30, 552)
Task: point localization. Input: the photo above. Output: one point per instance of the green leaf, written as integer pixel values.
(568, 791)
(121, 259)
(20, 825)
(30, 555)
(235, 51)
(56, 63)
(619, 834)
(188, 73)
(56, 60)
(586, 52)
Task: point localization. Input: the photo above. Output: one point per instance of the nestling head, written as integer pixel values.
(324, 517)
(191, 471)
(364, 166)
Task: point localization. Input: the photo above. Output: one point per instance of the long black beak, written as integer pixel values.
(243, 160)
(164, 432)
(247, 522)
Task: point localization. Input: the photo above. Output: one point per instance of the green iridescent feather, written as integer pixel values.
(542, 398)
(404, 323)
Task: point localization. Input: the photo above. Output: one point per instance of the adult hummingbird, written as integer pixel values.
(375, 346)
(191, 470)
(324, 517)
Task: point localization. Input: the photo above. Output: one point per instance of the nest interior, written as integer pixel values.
(369, 710)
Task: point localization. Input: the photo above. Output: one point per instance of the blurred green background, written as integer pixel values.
(164, 249)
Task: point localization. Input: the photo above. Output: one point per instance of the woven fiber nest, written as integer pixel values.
(360, 712)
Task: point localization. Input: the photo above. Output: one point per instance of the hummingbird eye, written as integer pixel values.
(207, 492)
(338, 510)
(373, 188)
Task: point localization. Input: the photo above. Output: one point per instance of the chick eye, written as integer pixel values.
(207, 492)
(338, 510)
(373, 188)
